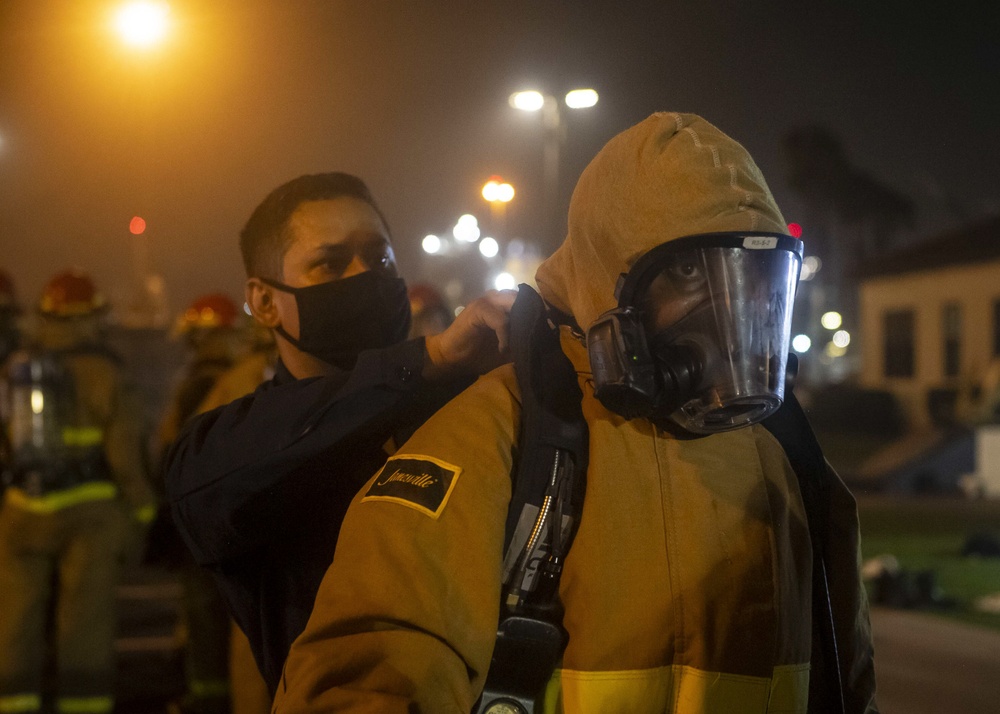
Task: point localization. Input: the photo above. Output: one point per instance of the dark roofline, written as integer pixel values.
(976, 243)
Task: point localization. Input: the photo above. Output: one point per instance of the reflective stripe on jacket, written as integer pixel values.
(57, 500)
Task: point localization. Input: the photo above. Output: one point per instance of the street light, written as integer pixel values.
(528, 101)
(504, 281)
(466, 229)
(496, 190)
(555, 134)
(581, 98)
(431, 244)
(142, 23)
(498, 193)
(831, 320)
(489, 247)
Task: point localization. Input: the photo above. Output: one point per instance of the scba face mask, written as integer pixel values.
(701, 333)
(340, 319)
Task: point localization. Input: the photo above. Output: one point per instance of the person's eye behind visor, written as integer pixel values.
(686, 272)
(676, 290)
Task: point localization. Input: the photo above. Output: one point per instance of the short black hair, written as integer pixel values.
(265, 238)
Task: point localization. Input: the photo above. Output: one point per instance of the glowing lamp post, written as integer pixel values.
(498, 193)
(555, 134)
(143, 23)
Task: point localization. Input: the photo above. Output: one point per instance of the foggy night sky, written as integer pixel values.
(412, 97)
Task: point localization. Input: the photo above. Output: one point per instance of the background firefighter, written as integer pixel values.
(77, 498)
(211, 332)
(9, 311)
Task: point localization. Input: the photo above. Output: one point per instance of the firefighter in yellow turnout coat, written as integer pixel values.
(687, 587)
(77, 485)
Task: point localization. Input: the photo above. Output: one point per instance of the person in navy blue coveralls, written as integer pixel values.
(258, 488)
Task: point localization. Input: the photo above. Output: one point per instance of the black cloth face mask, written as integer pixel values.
(340, 319)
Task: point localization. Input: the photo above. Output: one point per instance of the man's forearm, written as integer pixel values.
(234, 468)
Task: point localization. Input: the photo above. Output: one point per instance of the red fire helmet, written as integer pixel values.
(71, 293)
(208, 312)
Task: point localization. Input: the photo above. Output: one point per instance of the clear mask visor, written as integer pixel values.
(722, 313)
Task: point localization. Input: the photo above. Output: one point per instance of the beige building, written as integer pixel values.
(930, 322)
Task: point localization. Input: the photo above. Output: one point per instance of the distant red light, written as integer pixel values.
(795, 230)
(136, 226)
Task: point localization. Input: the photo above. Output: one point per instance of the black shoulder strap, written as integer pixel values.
(551, 412)
(549, 474)
(791, 428)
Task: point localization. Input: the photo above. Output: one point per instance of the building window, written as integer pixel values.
(951, 329)
(899, 343)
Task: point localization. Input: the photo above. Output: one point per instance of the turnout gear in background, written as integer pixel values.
(71, 311)
(8, 296)
(208, 312)
(687, 580)
(9, 310)
(71, 294)
(208, 329)
(77, 493)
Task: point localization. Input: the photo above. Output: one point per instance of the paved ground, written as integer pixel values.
(925, 664)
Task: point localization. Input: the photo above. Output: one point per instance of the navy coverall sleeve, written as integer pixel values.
(235, 473)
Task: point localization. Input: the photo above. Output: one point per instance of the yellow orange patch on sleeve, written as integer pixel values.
(422, 483)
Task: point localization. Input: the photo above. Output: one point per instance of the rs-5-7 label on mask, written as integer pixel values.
(420, 482)
(760, 242)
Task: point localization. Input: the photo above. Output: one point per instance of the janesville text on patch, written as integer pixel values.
(420, 482)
